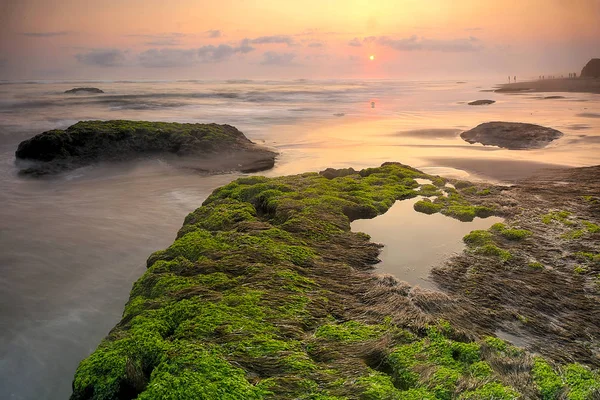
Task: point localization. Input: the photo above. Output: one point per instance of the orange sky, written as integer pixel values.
(288, 38)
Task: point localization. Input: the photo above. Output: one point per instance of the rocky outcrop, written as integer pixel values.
(206, 147)
(511, 135)
(267, 293)
(84, 90)
(591, 69)
(481, 102)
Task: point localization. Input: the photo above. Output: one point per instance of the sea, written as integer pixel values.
(71, 246)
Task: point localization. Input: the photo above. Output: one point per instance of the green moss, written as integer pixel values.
(491, 391)
(591, 199)
(588, 256)
(426, 206)
(515, 234)
(462, 184)
(578, 270)
(548, 382)
(591, 227)
(351, 331)
(481, 369)
(510, 233)
(492, 250)
(496, 343)
(536, 265)
(452, 359)
(558, 216)
(573, 234)
(443, 382)
(582, 382)
(478, 238)
(429, 190)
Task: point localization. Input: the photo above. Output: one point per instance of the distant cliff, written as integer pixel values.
(591, 69)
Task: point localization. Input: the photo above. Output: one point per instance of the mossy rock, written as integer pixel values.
(206, 147)
(263, 295)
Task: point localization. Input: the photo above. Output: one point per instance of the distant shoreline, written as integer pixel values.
(577, 85)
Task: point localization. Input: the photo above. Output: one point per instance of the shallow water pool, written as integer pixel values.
(415, 242)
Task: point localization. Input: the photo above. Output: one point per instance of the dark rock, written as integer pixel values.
(204, 147)
(481, 102)
(591, 69)
(84, 89)
(511, 135)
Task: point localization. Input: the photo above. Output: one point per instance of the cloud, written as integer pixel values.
(474, 29)
(274, 58)
(315, 44)
(210, 54)
(102, 58)
(174, 58)
(274, 39)
(47, 34)
(214, 33)
(415, 43)
(244, 47)
(355, 42)
(168, 58)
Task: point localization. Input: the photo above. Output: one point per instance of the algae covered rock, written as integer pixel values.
(206, 147)
(511, 135)
(84, 90)
(267, 293)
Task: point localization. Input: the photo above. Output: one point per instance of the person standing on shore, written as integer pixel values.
(515, 78)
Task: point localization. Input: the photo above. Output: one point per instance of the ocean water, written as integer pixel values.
(72, 246)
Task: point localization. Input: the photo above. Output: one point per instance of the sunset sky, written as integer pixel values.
(187, 39)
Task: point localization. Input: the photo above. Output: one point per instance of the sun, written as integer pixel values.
(371, 58)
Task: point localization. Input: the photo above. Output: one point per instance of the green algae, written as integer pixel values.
(426, 206)
(573, 381)
(351, 331)
(257, 299)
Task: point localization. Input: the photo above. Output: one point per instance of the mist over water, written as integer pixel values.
(72, 246)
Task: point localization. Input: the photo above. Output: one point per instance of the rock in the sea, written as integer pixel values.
(84, 89)
(205, 147)
(511, 135)
(591, 69)
(481, 102)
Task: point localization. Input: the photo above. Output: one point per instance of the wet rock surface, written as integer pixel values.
(84, 90)
(481, 102)
(511, 135)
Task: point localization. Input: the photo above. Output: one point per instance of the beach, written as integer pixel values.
(75, 244)
(575, 85)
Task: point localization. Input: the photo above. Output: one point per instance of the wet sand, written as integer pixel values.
(578, 85)
(497, 170)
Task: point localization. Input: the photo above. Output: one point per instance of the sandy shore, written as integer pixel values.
(581, 85)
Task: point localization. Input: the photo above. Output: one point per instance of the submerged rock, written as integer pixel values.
(84, 89)
(511, 135)
(206, 147)
(481, 102)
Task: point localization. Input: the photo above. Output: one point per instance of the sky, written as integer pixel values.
(291, 39)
